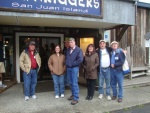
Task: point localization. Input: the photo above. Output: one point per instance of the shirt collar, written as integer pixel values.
(73, 48)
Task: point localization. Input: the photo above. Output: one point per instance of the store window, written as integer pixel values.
(8, 51)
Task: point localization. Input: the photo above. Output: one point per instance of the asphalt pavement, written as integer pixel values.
(136, 109)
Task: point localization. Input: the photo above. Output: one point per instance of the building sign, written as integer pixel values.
(73, 7)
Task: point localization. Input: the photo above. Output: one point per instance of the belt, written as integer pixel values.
(33, 68)
(105, 67)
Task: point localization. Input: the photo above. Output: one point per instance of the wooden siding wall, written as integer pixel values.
(135, 38)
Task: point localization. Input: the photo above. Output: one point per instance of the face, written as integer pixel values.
(66, 44)
(71, 44)
(114, 46)
(32, 47)
(102, 45)
(90, 49)
(57, 49)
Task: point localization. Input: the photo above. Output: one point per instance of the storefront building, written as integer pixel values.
(49, 22)
(136, 40)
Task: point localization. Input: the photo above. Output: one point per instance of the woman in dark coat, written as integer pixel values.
(90, 64)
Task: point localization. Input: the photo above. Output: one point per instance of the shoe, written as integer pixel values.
(56, 96)
(26, 98)
(113, 98)
(62, 95)
(74, 102)
(70, 98)
(120, 100)
(34, 97)
(108, 98)
(100, 96)
(90, 98)
(67, 87)
(87, 98)
(3, 86)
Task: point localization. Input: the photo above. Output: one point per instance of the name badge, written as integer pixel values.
(116, 58)
(34, 56)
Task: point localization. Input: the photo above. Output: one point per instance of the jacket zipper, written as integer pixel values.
(58, 63)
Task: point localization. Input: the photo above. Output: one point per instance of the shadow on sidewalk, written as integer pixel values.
(45, 86)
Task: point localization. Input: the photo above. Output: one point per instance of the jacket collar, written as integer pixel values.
(118, 50)
(88, 54)
(27, 51)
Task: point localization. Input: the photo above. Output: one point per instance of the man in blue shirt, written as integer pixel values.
(117, 77)
(74, 58)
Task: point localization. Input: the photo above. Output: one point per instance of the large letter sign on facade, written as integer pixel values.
(70, 7)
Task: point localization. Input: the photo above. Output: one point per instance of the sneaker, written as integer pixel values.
(62, 95)
(3, 86)
(56, 96)
(34, 97)
(26, 98)
(100, 96)
(108, 98)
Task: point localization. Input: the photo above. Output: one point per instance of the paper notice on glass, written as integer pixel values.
(147, 43)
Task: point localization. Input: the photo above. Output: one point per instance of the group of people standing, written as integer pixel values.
(104, 63)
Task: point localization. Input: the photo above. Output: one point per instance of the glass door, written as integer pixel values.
(44, 46)
(8, 51)
(48, 45)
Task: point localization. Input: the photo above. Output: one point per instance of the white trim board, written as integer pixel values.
(18, 34)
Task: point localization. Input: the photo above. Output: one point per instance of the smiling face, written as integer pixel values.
(57, 49)
(102, 45)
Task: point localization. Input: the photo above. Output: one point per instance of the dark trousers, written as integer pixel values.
(90, 87)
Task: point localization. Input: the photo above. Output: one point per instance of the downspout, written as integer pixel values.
(136, 10)
(136, 14)
(135, 33)
(135, 38)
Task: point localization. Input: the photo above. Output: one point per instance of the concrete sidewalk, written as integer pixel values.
(12, 101)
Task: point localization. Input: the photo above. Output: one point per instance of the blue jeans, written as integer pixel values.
(30, 81)
(73, 80)
(117, 77)
(58, 84)
(104, 75)
(66, 79)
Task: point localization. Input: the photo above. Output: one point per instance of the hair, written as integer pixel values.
(71, 39)
(60, 52)
(92, 45)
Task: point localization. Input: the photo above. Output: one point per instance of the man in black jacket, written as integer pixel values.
(104, 69)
